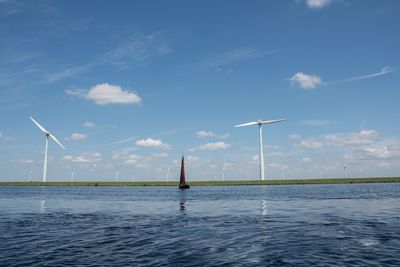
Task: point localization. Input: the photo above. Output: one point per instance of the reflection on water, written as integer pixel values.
(263, 206)
(43, 207)
(322, 225)
(182, 201)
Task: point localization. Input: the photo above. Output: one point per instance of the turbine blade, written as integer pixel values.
(272, 121)
(247, 124)
(55, 140)
(39, 126)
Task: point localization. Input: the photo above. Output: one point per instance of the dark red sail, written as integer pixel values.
(182, 180)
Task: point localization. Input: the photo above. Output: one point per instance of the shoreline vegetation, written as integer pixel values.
(216, 183)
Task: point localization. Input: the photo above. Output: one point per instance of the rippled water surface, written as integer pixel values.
(300, 225)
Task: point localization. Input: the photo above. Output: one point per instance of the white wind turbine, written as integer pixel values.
(223, 171)
(72, 174)
(47, 134)
(116, 174)
(261, 157)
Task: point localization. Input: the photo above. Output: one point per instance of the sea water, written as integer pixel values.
(298, 225)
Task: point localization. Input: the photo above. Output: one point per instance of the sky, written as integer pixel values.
(133, 85)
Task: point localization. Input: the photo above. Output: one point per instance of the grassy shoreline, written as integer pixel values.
(215, 183)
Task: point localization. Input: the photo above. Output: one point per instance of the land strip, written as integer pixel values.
(216, 183)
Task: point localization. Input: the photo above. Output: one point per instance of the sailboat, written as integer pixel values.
(182, 180)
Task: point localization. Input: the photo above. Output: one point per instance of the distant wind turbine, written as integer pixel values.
(47, 134)
(72, 174)
(116, 174)
(261, 157)
(223, 171)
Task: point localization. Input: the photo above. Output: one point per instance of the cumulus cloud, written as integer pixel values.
(318, 4)
(104, 94)
(77, 136)
(382, 152)
(209, 134)
(155, 143)
(364, 137)
(89, 124)
(306, 143)
(306, 81)
(84, 159)
(213, 146)
(132, 159)
(306, 160)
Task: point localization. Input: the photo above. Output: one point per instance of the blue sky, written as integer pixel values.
(131, 86)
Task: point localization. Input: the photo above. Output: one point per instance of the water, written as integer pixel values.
(301, 225)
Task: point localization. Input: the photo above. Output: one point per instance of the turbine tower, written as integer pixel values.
(47, 134)
(223, 171)
(72, 174)
(260, 124)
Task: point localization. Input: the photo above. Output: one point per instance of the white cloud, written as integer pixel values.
(126, 140)
(209, 134)
(105, 93)
(84, 159)
(213, 146)
(149, 142)
(365, 137)
(318, 4)
(378, 152)
(132, 159)
(76, 92)
(383, 71)
(119, 154)
(306, 160)
(89, 124)
(306, 81)
(77, 136)
(306, 143)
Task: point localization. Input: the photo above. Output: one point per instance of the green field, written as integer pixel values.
(215, 183)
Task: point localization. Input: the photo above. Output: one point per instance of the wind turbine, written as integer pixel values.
(47, 134)
(116, 174)
(72, 174)
(261, 157)
(223, 171)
